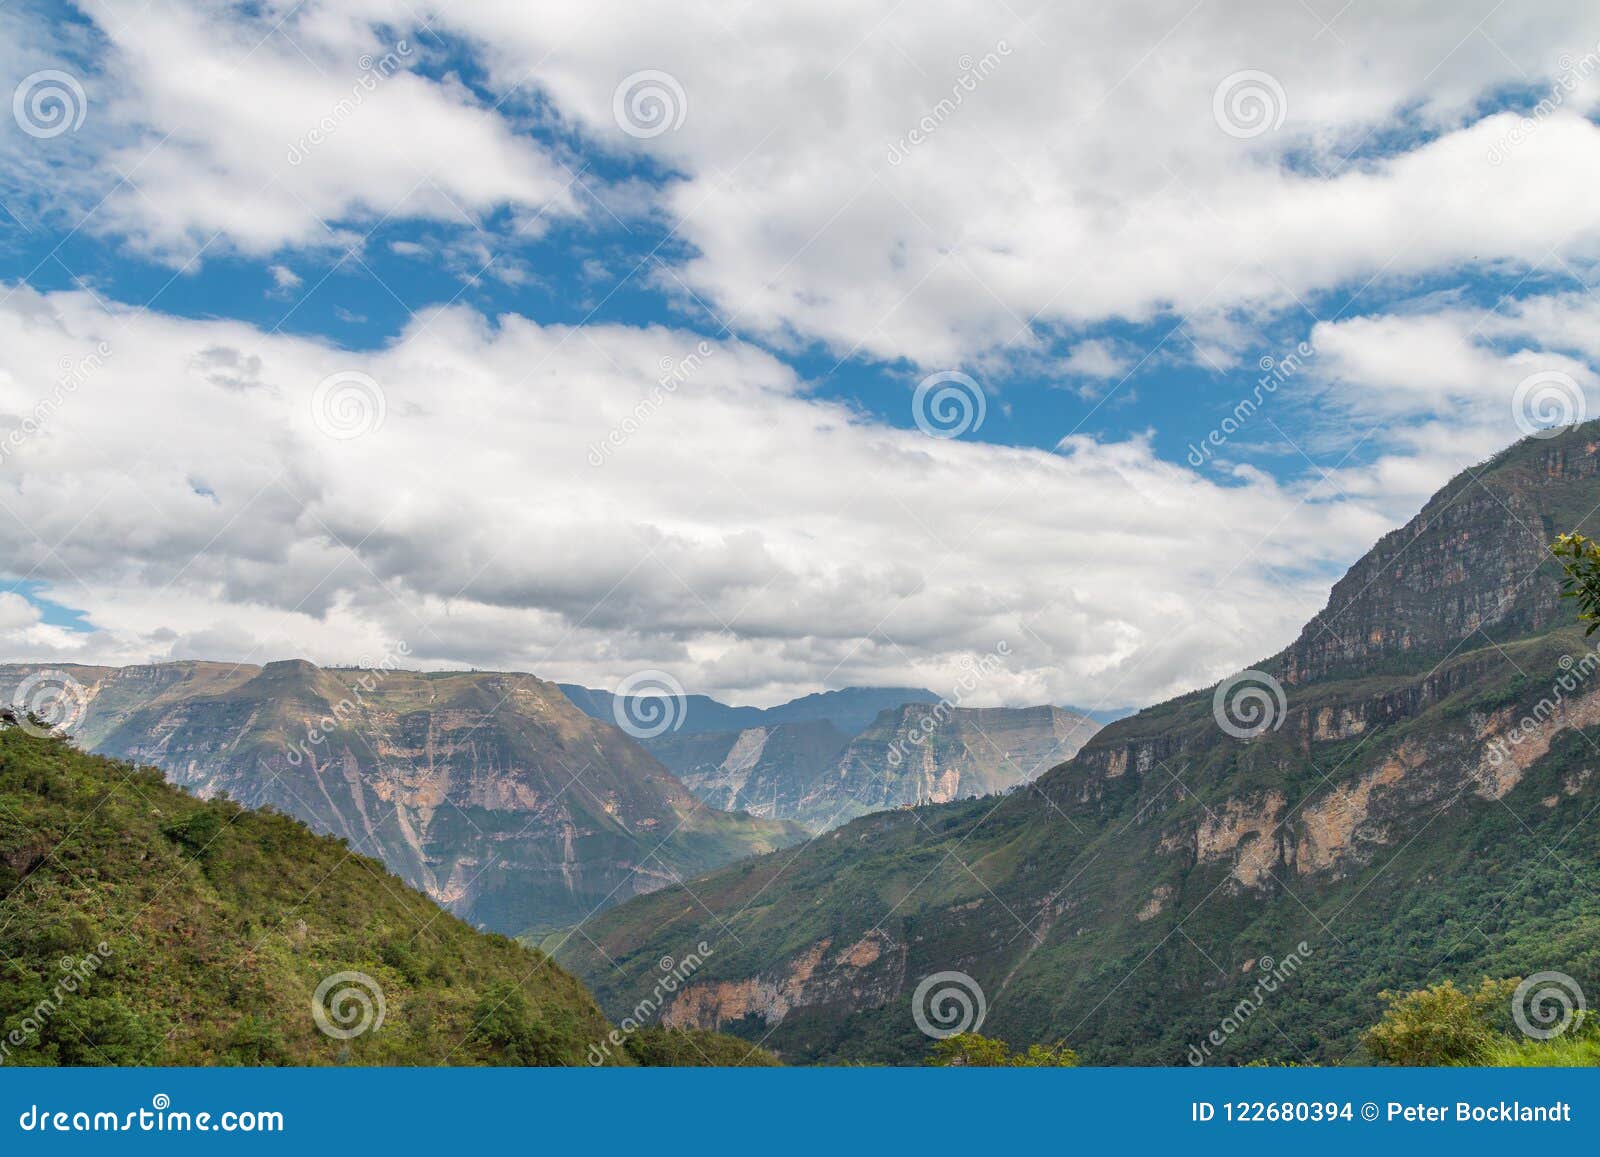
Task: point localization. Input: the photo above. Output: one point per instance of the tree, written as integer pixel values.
(1581, 560)
(969, 1050)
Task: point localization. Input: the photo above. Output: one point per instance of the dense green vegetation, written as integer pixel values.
(969, 1050)
(1446, 1025)
(695, 1048)
(139, 925)
(1580, 561)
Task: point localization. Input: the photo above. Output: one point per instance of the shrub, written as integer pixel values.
(1442, 1025)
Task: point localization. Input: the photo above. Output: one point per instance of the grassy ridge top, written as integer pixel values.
(139, 925)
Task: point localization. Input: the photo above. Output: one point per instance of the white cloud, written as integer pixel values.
(1076, 172)
(1096, 358)
(1083, 176)
(283, 277)
(286, 128)
(751, 539)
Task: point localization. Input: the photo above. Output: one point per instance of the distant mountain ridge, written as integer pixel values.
(489, 791)
(850, 709)
(916, 753)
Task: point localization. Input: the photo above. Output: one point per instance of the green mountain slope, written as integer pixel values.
(1424, 807)
(491, 792)
(139, 925)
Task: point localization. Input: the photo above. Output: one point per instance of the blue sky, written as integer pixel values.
(1114, 225)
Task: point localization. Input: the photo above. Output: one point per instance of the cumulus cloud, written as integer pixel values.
(1073, 165)
(941, 186)
(264, 129)
(585, 502)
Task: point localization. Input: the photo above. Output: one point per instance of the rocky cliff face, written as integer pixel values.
(766, 771)
(1475, 560)
(918, 754)
(913, 753)
(1422, 805)
(490, 792)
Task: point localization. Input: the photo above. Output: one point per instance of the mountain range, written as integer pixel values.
(848, 710)
(499, 797)
(490, 792)
(1404, 794)
(914, 754)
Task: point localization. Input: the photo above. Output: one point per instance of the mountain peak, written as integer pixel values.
(1474, 561)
